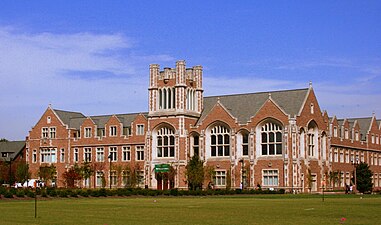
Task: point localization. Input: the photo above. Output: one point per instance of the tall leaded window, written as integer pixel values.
(245, 144)
(100, 154)
(196, 145)
(271, 139)
(99, 178)
(87, 155)
(165, 143)
(45, 132)
(52, 132)
(220, 141)
(167, 98)
(139, 153)
(126, 153)
(113, 177)
(113, 154)
(312, 138)
(191, 102)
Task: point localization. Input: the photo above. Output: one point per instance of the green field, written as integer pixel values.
(257, 209)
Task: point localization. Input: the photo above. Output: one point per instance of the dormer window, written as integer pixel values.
(112, 131)
(87, 132)
(335, 131)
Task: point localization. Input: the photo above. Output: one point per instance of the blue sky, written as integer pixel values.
(93, 56)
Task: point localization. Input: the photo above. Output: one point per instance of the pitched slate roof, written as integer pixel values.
(100, 121)
(12, 147)
(244, 106)
(364, 124)
(66, 116)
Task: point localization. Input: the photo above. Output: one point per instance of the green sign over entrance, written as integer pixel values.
(162, 168)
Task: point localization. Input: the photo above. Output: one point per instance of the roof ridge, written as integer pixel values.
(119, 114)
(262, 92)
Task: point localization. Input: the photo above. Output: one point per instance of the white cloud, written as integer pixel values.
(38, 69)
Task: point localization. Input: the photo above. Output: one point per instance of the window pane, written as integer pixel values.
(279, 149)
(195, 140)
(159, 141)
(220, 139)
(271, 149)
(159, 152)
(271, 134)
(264, 138)
(172, 139)
(245, 149)
(245, 138)
(172, 153)
(213, 139)
(220, 151)
(264, 149)
(227, 139)
(278, 137)
(227, 152)
(213, 151)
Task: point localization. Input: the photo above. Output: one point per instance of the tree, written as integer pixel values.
(363, 178)
(87, 171)
(22, 172)
(71, 176)
(47, 173)
(334, 177)
(3, 140)
(195, 173)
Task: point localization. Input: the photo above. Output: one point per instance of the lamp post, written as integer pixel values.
(355, 164)
(242, 170)
(110, 158)
(10, 171)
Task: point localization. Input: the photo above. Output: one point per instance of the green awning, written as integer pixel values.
(162, 168)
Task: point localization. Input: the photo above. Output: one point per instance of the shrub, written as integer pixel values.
(8, 194)
(62, 193)
(30, 193)
(102, 192)
(20, 193)
(44, 194)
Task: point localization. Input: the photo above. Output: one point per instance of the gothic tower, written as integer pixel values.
(175, 103)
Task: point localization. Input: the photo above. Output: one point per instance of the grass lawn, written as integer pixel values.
(262, 209)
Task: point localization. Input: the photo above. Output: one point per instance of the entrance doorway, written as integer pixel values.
(164, 181)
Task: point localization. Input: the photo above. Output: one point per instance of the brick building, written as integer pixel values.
(278, 139)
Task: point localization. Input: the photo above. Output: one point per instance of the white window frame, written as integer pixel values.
(269, 129)
(165, 143)
(100, 154)
(219, 178)
(87, 154)
(270, 177)
(113, 131)
(48, 155)
(113, 151)
(140, 129)
(126, 153)
(139, 152)
(45, 132)
(52, 132)
(76, 155)
(88, 131)
(220, 141)
(62, 155)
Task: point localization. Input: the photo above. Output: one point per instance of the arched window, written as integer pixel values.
(191, 100)
(220, 141)
(167, 98)
(195, 140)
(271, 139)
(165, 143)
(312, 139)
